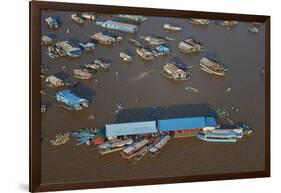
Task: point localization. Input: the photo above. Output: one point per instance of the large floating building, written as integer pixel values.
(114, 25)
(179, 127)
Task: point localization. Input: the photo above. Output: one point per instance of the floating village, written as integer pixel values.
(134, 140)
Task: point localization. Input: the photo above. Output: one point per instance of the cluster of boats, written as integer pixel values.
(60, 139)
(137, 149)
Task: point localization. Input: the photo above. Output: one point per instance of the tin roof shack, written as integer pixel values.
(188, 126)
(189, 46)
(124, 129)
(71, 101)
(162, 50)
(103, 39)
(154, 41)
(212, 67)
(125, 27)
(53, 81)
(64, 48)
(46, 40)
(52, 22)
(171, 71)
(134, 18)
(145, 54)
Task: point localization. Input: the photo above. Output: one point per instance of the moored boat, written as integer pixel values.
(145, 54)
(172, 71)
(161, 143)
(212, 67)
(171, 27)
(77, 18)
(102, 64)
(125, 57)
(133, 149)
(82, 74)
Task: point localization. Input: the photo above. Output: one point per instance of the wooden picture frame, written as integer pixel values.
(35, 114)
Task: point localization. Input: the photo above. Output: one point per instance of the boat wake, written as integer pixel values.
(141, 76)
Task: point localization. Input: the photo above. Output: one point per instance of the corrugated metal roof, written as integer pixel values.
(185, 123)
(130, 128)
(69, 95)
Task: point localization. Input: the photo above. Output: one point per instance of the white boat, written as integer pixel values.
(132, 150)
(171, 27)
(77, 18)
(92, 66)
(89, 16)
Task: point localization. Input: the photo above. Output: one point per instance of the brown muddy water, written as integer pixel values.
(140, 85)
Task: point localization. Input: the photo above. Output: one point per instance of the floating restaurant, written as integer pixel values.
(114, 25)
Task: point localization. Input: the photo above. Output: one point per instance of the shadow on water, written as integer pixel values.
(165, 112)
(83, 90)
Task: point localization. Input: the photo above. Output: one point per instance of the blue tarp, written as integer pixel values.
(186, 123)
(134, 128)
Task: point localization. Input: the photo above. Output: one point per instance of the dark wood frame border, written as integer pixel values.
(35, 8)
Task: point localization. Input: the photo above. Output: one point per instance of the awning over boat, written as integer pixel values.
(134, 128)
(186, 123)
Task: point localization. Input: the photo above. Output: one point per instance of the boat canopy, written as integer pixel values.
(186, 123)
(134, 128)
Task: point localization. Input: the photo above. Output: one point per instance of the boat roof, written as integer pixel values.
(133, 128)
(186, 123)
(120, 24)
(70, 96)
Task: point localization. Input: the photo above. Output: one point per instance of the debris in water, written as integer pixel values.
(119, 107)
(191, 89)
(234, 108)
(228, 90)
(67, 31)
(43, 108)
(92, 116)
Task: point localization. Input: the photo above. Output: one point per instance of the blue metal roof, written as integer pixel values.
(185, 123)
(70, 96)
(130, 128)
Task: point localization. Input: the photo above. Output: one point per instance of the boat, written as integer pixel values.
(153, 41)
(191, 89)
(134, 18)
(135, 42)
(228, 23)
(172, 27)
(132, 150)
(217, 137)
(113, 146)
(160, 144)
(212, 67)
(82, 74)
(253, 29)
(141, 153)
(46, 40)
(125, 57)
(88, 15)
(199, 21)
(172, 71)
(88, 46)
(102, 64)
(92, 66)
(53, 81)
(77, 18)
(52, 22)
(145, 54)
(64, 48)
(103, 39)
(162, 50)
(190, 46)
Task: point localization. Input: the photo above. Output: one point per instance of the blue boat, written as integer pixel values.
(52, 22)
(71, 101)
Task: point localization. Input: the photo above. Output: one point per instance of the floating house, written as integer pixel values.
(162, 50)
(189, 46)
(64, 48)
(103, 39)
(134, 18)
(71, 101)
(212, 67)
(172, 71)
(114, 25)
(145, 54)
(188, 126)
(52, 22)
(130, 129)
(53, 81)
